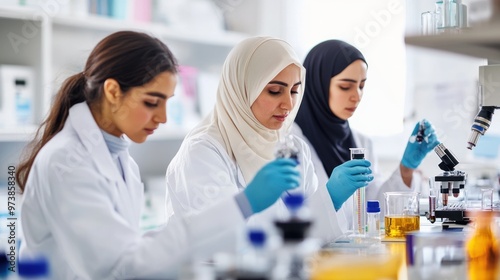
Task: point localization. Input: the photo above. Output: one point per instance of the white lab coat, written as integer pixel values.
(78, 211)
(375, 190)
(202, 172)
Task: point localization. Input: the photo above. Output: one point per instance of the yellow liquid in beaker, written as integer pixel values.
(397, 226)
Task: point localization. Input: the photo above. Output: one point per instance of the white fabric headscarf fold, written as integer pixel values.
(249, 67)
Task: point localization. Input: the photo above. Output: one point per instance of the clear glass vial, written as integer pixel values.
(373, 219)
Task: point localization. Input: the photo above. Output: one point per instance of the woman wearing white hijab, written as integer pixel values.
(257, 100)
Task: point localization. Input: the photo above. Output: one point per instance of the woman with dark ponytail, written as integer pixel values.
(82, 192)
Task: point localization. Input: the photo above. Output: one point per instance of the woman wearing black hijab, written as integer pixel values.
(335, 77)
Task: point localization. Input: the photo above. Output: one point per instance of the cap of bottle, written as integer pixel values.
(33, 267)
(257, 237)
(372, 206)
(4, 264)
(294, 200)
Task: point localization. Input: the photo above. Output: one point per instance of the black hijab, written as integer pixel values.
(330, 136)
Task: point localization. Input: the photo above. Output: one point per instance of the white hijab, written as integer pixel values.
(249, 67)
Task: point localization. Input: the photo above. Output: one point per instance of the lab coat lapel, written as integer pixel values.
(133, 190)
(93, 141)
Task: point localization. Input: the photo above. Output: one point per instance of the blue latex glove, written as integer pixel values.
(270, 182)
(346, 179)
(416, 151)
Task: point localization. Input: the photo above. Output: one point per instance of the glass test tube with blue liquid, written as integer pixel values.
(359, 200)
(286, 148)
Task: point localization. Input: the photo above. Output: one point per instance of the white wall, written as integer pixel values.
(375, 27)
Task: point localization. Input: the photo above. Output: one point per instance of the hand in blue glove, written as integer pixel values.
(416, 151)
(346, 179)
(270, 182)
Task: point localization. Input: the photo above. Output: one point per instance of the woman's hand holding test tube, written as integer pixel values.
(271, 181)
(346, 179)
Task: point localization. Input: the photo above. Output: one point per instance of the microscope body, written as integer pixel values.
(453, 195)
(451, 203)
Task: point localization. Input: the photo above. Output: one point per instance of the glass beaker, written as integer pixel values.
(487, 199)
(402, 213)
(359, 200)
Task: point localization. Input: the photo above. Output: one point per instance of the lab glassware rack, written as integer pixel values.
(481, 41)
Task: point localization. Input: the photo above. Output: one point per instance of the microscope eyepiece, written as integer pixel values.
(449, 161)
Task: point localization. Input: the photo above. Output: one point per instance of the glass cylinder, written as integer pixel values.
(359, 200)
(428, 23)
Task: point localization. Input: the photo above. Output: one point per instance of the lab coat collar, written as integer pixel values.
(90, 135)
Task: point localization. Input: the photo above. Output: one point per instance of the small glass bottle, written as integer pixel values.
(482, 248)
(257, 262)
(373, 219)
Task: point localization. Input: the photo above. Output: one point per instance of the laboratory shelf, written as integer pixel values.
(481, 41)
(105, 24)
(56, 44)
(26, 133)
(16, 12)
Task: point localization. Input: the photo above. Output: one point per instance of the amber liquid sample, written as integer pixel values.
(397, 226)
(482, 250)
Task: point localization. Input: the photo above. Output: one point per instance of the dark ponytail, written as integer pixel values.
(131, 58)
(69, 94)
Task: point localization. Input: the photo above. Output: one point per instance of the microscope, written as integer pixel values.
(451, 183)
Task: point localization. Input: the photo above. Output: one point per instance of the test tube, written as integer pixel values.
(432, 202)
(450, 12)
(287, 149)
(428, 23)
(359, 199)
(439, 15)
(421, 132)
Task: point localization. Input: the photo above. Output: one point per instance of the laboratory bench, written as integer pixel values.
(432, 253)
(435, 254)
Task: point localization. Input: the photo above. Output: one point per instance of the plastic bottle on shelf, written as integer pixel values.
(373, 220)
(23, 103)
